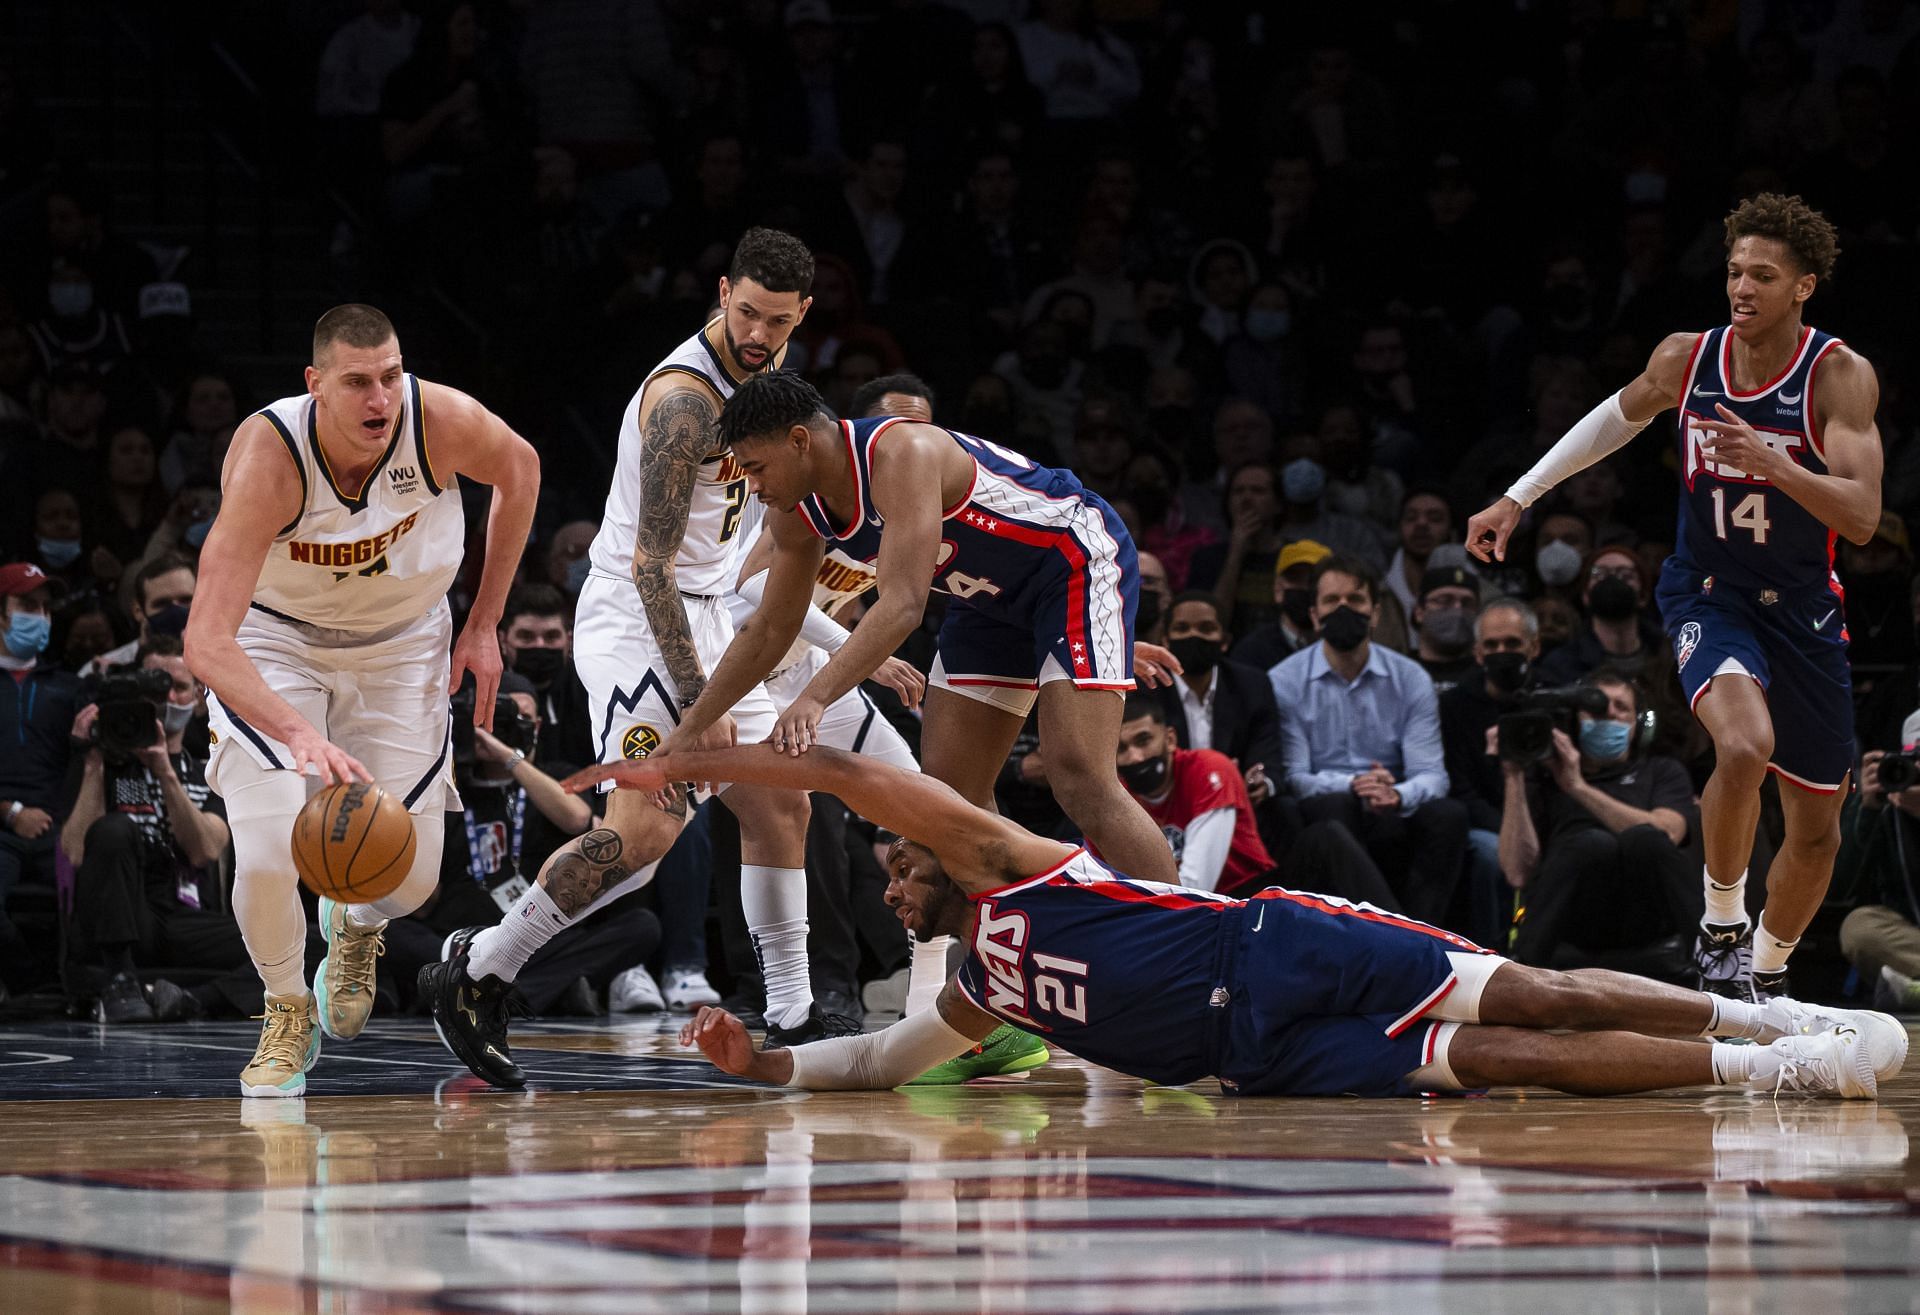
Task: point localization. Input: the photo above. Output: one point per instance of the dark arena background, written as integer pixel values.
(1294, 292)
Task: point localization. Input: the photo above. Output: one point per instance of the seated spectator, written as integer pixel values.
(1616, 632)
(1426, 522)
(1242, 436)
(1880, 861)
(1082, 71)
(1595, 837)
(1360, 730)
(34, 725)
(85, 629)
(129, 501)
(162, 596)
(111, 269)
(1265, 646)
(897, 394)
(1156, 601)
(1449, 601)
(536, 640)
(490, 856)
(1152, 483)
(68, 456)
(1240, 571)
(1196, 797)
(1103, 435)
(1218, 704)
(1304, 514)
(145, 838)
(566, 559)
(208, 411)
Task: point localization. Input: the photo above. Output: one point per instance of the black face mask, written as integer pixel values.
(1297, 606)
(540, 665)
(1344, 629)
(1197, 654)
(1507, 672)
(1145, 778)
(1613, 599)
(169, 620)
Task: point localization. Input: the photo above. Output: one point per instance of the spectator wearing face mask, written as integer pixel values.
(1594, 838)
(536, 640)
(38, 702)
(162, 597)
(1562, 543)
(1615, 632)
(1292, 629)
(1218, 704)
(1304, 514)
(1426, 522)
(1449, 601)
(1360, 735)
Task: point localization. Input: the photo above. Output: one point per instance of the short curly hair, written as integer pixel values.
(777, 261)
(769, 405)
(1804, 231)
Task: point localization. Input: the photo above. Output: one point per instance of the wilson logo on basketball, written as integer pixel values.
(350, 803)
(639, 741)
(358, 552)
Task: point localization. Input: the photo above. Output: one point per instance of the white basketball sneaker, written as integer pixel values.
(1886, 1036)
(1835, 1063)
(635, 992)
(688, 989)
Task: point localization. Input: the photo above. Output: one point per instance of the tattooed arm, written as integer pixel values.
(582, 871)
(675, 437)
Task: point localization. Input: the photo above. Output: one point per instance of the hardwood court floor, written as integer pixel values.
(631, 1179)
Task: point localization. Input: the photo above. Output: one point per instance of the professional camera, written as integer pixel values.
(511, 727)
(1526, 736)
(129, 703)
(1900, 771)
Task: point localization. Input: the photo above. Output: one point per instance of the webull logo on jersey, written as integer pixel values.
(357, 552)
(1000, 940)
(1699, 439)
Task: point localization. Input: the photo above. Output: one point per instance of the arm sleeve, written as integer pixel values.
(1594, 437)
(1421, 755)
(817, 628)
(876, 1061)
(1204, 855)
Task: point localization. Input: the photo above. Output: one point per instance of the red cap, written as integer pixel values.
(19, 578)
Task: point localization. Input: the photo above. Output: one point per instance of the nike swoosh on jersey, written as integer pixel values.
(1823, 620)
(1703, 392)
(1261, 918)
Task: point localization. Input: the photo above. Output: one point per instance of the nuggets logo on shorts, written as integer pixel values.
(639, 741)
(1688, 641)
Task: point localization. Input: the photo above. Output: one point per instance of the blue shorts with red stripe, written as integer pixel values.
(1793, 644)
(1070, 617)
(1331, 998)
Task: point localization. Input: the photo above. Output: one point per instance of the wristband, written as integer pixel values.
(519, 756)
(14, 810)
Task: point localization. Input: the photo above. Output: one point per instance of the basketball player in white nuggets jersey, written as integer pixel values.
(651, 622)
(321, 629)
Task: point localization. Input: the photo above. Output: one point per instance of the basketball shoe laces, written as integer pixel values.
(1724, 958)
(1805, 1072)
(281, 1044)
(353, 968)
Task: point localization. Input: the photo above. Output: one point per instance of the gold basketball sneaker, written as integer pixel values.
(289, 1043)
(343, 984)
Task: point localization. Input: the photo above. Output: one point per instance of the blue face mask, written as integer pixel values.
(196, 533)
(58, 552)
(1604, 741)
(577, 574)
(28, 633)
(1303, 480)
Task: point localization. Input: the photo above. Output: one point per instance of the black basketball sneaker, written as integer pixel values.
(470, 1016)
(816, 1026)
(1723, 960)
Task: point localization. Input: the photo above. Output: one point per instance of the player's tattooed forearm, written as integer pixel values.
(578, 876)
(677, 437)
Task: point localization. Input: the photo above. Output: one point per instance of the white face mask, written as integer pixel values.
(175, 716)
(1557, 563)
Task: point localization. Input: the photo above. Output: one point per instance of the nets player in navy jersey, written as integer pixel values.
(1281, 994)
(1779, 455)
(1043, 581)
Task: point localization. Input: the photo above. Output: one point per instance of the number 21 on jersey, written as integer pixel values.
(1749, 514)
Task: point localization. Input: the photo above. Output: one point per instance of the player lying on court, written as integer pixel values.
(1281, 994)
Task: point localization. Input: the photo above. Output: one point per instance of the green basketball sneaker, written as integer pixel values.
(1006, 1050)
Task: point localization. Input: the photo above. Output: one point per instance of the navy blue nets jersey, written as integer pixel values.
(1734, 526)
(1003, 545)
(1118, 971)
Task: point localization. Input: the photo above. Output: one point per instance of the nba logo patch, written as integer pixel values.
(1688, 641)
(639, 741)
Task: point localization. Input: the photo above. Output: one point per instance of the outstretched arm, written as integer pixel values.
(676, 435)
(978, 849)
(1603, 431)
(1847, 498)
(474, 442)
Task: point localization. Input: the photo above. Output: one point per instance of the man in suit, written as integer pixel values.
(1217, 704)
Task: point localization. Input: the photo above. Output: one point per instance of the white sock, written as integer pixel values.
(365, 915)
(927, 974)
(503, 951)
(1770, 953)
(1726, 905)
(1736, 1018)
(775, 902)
(1734, 1066)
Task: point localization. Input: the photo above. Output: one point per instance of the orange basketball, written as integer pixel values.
(353, 843)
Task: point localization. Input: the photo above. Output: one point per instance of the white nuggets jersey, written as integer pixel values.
(709, 552)
(841, 579)
(370, 560)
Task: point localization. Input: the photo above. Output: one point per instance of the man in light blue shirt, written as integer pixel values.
(1360, 738)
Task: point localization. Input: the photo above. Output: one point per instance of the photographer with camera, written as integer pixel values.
(1592, 829)
(145, 838)
(513, 817)
(1880, 852)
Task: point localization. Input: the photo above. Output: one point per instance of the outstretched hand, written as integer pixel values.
(1489, 530)
(724, 1040)
(637, 774)
(1154, 665)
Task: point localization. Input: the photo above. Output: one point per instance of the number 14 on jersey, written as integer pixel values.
(1749, 514)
